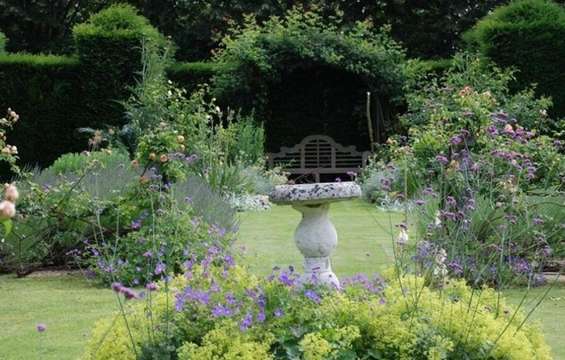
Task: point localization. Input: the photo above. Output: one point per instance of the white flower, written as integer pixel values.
(402, 238)
(437, 220)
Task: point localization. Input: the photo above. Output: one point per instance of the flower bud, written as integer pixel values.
(7, 210)
(180, 139)
(11, 193)
(135, 163)
(163, 158)
(152, 156)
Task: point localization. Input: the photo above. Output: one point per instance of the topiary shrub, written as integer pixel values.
(528, 35)
(220, 311)
(110, 46)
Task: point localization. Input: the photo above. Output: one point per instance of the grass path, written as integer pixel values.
(69, 305)
(364, 239)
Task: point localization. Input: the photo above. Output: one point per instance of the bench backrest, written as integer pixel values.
(320, 153)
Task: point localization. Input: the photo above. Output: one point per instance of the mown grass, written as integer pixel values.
(69, 305)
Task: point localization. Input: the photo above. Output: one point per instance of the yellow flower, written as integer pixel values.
(180, 139)
(152, 156)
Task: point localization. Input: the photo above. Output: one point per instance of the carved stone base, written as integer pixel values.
(316, 238)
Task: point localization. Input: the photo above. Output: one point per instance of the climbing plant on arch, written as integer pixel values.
(260, 57)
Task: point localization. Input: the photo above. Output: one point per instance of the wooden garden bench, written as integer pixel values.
(317, 155)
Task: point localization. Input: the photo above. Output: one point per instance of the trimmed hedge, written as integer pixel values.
(110, 46)
(528, 35)
(45, 90)
(53, 99)
(191, 74)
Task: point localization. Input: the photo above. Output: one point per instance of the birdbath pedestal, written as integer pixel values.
(315, 236)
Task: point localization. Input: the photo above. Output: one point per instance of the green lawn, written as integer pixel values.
(69, 305)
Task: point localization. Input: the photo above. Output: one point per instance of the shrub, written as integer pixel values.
(45, 91)
(528, 35)
(470, 153)
(180, 135)
(109, 46)
(218, 311)
(74, 163)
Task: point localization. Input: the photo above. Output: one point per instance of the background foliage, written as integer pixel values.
(528, 35)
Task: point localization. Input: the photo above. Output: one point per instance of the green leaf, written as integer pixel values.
(8, 225)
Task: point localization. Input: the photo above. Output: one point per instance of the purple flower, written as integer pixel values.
(151, 286)
(261, 316)
(285, 279)
(311, 294)
(129, 293)
(278, 312)
(420, 202)
(148, 254)
(456, 140)
(136, 225)
(386, 184)
(221, 311)
(246, 322)
(537, 221)
(41, 328)
(352, 174)
(160, 268)
(442, 159)
(450, 201)
(117, 287)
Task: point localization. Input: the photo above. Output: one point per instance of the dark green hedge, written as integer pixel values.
(46, 92)
(528, 35)
(190, 75)
(110, 47)
(54, 97)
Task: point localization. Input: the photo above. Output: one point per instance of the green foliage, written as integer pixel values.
(530, 36)
(181, 135)
(190, 75)
(57, 212)
(74, 163)
(110, 46)
(46, 91)
(3, 41)
(157, 245)
(269, 65)
(271, 320)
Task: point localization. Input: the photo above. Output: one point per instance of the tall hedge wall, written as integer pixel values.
(46, 92)
(528, 35)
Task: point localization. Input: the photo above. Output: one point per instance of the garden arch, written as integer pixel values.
(302, 75)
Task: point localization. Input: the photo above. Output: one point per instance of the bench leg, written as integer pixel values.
(317, 177)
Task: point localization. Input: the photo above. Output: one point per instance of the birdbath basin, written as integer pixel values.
(315, 236)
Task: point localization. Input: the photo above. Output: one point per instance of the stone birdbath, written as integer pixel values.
(315, 236)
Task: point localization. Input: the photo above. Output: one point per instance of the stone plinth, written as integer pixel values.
(316, 237)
